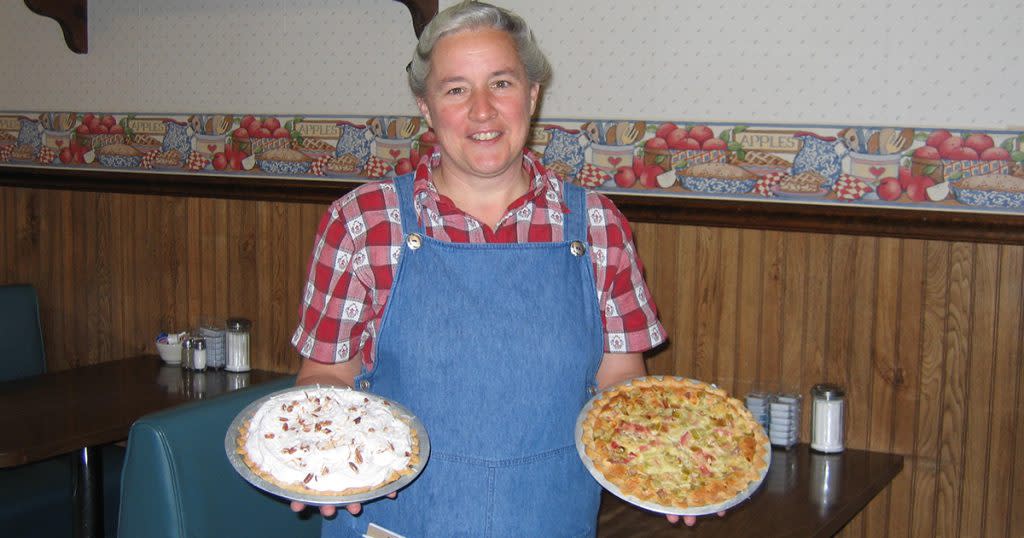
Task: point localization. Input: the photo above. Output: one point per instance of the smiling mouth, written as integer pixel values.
(483, 137)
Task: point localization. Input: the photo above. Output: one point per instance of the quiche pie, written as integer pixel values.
(675, 443)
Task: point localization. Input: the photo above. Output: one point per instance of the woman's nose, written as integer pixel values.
(481, 107)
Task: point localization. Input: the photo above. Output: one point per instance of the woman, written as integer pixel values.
(465, 292)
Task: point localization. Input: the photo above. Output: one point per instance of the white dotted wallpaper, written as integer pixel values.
(929, 63)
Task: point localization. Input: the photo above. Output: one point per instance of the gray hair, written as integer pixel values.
(470, 15)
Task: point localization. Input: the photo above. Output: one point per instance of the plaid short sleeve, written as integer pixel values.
(630, 318)
(349, 276)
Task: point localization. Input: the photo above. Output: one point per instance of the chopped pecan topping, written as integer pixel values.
(308, 478)
(353, 466)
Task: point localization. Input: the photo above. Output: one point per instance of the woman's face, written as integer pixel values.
(479, 103)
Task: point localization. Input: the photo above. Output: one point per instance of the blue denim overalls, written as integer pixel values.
(495, 347)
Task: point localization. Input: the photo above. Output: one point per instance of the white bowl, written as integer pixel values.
(170, 353)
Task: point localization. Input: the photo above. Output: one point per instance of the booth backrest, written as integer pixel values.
(21, 335)
(177, 480)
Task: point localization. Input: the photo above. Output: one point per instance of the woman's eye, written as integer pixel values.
(502, 84)
(455, 91)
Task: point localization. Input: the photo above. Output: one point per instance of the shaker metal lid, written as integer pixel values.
(239, 324)
(827, 391)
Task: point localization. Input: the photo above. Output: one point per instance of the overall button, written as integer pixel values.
(364, 384)
(592, 390)
(414, 241)
(577, 248)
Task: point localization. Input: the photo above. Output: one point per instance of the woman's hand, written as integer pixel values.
(689, 521)
(330, 510)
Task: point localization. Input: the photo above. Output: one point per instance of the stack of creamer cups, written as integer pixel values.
(779, 414)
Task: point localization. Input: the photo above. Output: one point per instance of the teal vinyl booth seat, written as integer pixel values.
(36, 498)
(177, 480)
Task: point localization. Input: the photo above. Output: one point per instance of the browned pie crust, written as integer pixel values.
(674, 442)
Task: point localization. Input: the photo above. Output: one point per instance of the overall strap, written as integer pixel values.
(576, 220)
(407, 206)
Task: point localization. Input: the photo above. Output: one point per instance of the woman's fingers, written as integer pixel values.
(329, 510)
(673, 519)
(690, 521)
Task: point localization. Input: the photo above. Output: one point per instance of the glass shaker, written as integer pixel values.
(238, 345)
(188, 353)
(827, 419)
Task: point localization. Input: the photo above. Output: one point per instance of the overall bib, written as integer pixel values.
(495, 348)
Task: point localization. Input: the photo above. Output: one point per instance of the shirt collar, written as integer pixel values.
(546, 193)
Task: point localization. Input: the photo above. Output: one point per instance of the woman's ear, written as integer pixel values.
(534, 94)
(424, 110)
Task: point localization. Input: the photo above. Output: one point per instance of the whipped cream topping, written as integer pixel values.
(328, 439)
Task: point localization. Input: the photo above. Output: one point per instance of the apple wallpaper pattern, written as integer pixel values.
(899, 167)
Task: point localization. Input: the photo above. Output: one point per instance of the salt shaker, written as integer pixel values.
(238, 345)
(199, 353)
(827, 420)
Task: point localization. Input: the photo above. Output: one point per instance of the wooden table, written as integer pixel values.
(80, 410)
(805, 494)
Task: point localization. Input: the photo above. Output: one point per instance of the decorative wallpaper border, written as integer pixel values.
(888, 167)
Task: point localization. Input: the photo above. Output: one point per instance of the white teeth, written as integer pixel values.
(490, 135)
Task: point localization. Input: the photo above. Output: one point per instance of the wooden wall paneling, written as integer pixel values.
(280, 289)
(816, 330)
(243, 289)
(954, 405)
(120, 299)
(708, 294)
(682, 332)
(750, 310)
(858, 388)
(194, 261)
(1015, 515)
(978, 397)
(1004, 393)
(928, 422)
(728, 332)
(906, 380)
(773, 311)
(885, 337)
(97, 249)
(861, 320)
(842, 289)
(793, 309)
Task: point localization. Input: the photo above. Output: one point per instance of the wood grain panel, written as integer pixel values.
(1006, 389)
(926, 335)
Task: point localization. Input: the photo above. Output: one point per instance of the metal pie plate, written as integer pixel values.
(655, 507)
(311, 498)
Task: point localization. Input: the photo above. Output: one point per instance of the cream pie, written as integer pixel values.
(328, 441)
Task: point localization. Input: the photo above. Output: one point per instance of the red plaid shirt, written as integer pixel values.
(360, 236)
